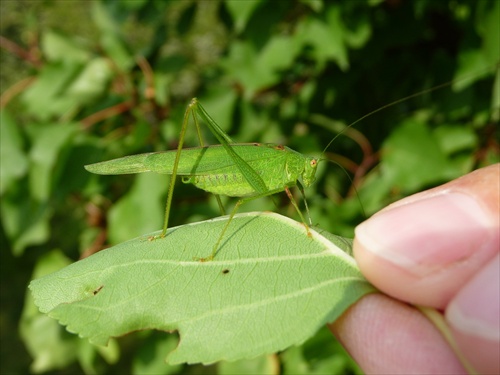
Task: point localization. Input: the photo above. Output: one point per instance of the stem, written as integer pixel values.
(437, 319)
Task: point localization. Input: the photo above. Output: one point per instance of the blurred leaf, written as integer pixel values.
(360, 34)
(117, 51)
(81, 152)
(25, 221)
(48, 144)
(277, 55)
(321, 354)
(111, 39)
(61, 87)
(260, 69)
(48, 343)
(250, 300)
(144, 203)
(453, 139)
(412, 157)
(104, 19)
(89, 359)
(222, 104)
(375, 2)
(91, 82)
(316, 5)
(239, 65)
(13, 159)
(495, 100)
(472, 64)
(264, 364)
(489, 27)
(313, 31)
(241, 11)
(45, 98)
(150, 358)
(26, 210)
(58, 47)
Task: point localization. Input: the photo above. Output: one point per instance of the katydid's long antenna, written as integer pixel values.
(352, 184)
(440, 86)
(426, 91)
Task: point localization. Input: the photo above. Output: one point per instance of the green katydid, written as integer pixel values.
(245, 170)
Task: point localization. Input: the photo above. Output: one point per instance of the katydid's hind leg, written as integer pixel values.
(191, 110)
(233, 212)
(171, 186)
(292, 199)
(239, 203)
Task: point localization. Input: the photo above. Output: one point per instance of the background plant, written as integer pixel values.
(98, 80)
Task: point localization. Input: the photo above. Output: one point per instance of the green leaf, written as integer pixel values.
(316, 5)
(47, 343)
(278, 54)
(241, 11)
(264, 364)
(49, 143)
(456, 138)
(117, 51)
(314, 32)
(412, 157)
(104, 19)
(59, 47)
(25, 221)
(46, 97)
(470, 62)
(495, 100)
(489, 28)
(111, 39)
(13, 160)
(150, 357)
(270, 286)
(319, 355)
(259, 69)
(147, 213)
(91, 82)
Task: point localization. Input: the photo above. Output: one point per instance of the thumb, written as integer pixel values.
(440, 248)
(423, 249)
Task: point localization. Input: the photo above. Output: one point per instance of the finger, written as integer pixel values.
(424, 248)
(473, 316)
(385, 336)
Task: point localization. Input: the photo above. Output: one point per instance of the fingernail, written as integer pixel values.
(475, 309)
(427, 234)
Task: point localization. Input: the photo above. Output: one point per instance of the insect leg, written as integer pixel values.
(292, 199)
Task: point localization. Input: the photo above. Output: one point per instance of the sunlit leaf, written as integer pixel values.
(270, 286)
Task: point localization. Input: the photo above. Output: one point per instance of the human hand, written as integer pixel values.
(439, 248)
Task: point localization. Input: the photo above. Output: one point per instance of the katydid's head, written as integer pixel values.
(309, 173)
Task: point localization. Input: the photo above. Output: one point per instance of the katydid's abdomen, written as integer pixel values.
(209, 168)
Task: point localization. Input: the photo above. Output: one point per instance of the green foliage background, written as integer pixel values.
(88, 81)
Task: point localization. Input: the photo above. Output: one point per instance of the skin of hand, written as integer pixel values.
(438, 248)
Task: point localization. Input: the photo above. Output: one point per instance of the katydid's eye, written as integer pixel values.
(314, 163)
